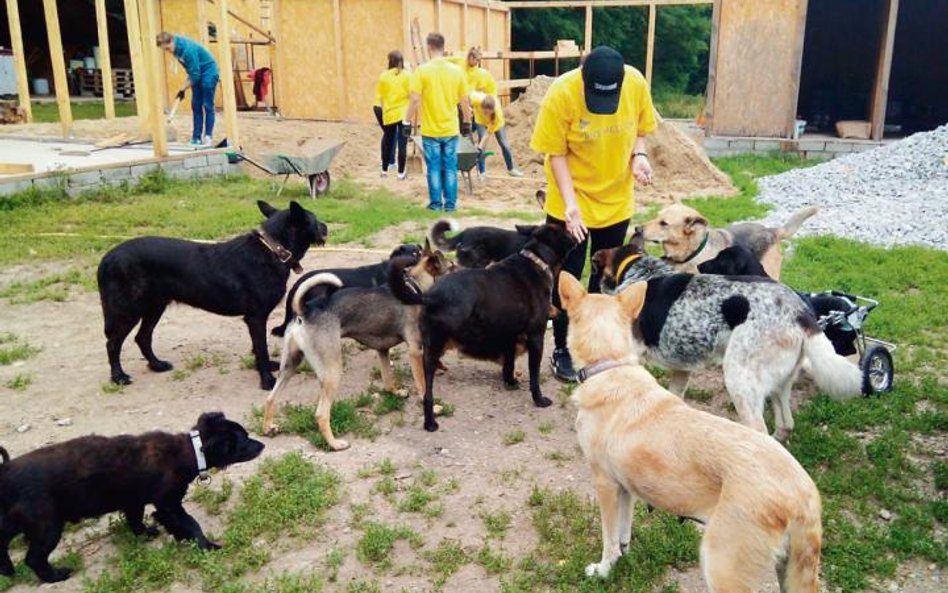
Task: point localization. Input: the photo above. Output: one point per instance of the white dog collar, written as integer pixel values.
(198, 451)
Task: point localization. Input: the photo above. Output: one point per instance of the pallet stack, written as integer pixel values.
(90, 82)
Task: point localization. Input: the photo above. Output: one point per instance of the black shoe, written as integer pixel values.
(562, 364)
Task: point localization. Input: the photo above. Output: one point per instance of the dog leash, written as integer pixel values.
(533, 257)
(591, 370)
(283, 254)
(198, 446)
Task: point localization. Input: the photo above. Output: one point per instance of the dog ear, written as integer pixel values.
(266, 209)
(541, 198)
(571, 291)
(638, 240)
(426, 250)
(525, 229)
(633, 298)
(296, 209)
(602, 261)
(209, 420)
(692, 223)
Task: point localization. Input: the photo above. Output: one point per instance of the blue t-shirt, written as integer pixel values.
(197, 61)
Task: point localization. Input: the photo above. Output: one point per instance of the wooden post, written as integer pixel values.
(228, 95)
(154, 63)
(507, 38)
(880, 92)
(438, 11)
(486, 27)
(108, 93)
(712, 69)
(202, 22)
(464, 26)
(588, 34)
(650, 46)
(19, 59)
(341, 87)
(406, 30)
(59, 65)
(139, 69)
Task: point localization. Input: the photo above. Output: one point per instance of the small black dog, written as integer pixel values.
(491, 313)
(480, 246)
(90, 476)
(735, 260)
(362, 277)
(245, 276)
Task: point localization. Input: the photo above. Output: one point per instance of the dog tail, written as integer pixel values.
(300, 297)
(799, 571)
(834, 374)
(437, 232)
(398, 282)
(796, 221)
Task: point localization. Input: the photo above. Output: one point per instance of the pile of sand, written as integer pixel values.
(681, 167)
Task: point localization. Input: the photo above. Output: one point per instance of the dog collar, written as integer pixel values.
(538, 262)
(694, 253)
(198, 452)
(626, 263)
(283, 254)
(591, 370)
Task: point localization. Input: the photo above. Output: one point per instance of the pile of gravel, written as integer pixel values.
(896, 194)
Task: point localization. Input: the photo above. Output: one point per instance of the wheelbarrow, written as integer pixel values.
(314, 166)
(467, 160)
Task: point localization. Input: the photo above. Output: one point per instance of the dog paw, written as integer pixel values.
(151, 532)
(437, 409)
(542, 401)
(56, 575)
(598, 569)
(160, 366)
(121, 379)
(208, 545)
(267, 382)
(272, 430)
(273, 366)
(431, 426)
(339, 445)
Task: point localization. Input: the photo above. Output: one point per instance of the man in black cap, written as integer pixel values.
(591, 128)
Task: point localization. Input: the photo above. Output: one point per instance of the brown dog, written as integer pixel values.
(688, 240)
(759, 506)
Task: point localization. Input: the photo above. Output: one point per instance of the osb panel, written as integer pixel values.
(451, 27)
(498, 32)
(365, 50)
(305, 74)
(426, 13)
(758, 57)
(178, 17)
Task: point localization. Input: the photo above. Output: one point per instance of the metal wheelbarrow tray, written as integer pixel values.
(314, 166)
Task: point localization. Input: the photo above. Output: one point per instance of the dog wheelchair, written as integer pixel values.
(841, 317)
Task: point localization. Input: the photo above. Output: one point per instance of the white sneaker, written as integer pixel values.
(515, 172)
(383, 174)
(208, 141)
(403, 176)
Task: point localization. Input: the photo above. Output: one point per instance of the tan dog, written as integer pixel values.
(760, 508)
(371, 316)
(688, 241)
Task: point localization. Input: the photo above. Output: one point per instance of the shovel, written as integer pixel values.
(177, 103)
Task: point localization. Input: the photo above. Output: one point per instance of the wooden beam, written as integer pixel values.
(19, 59)
(406, 29)
(139, 69)
(712, 69)
(507, 38)
(228, 95)
(202, 23)
(154, 64)
(108, 93)
(797, 71)
(486, 28)
(341, 88)
(494, 4)
(464, 26)
(601, 3)
(880, 92)
(588, 30)
(244, 21)
(650, 44)
(59, 65)
(438, 11)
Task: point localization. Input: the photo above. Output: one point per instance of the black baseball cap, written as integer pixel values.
(603, 71)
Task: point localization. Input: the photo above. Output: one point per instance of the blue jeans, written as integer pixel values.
(441, 159)
(501, 136)
(202, 108)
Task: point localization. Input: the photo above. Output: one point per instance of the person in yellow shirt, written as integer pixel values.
(489, 121)
(392, 95)
(591, 127)
(437, 88)
(478, 78)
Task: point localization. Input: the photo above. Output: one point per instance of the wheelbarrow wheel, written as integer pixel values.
(319, 183)
(877, 370)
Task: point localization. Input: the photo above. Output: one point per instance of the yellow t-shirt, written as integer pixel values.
(441, 85)
(392, 93)
(477, 100)
(478, 79)
(598, 148)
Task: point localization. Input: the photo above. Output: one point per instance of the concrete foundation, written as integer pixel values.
(815, 146)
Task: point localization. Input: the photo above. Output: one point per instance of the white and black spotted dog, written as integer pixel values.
(758, 330)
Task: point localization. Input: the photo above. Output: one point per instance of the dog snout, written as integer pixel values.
(322, 232)
(250, 449)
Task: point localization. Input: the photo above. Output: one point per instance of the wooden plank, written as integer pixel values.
(154, 64)
(486, 28)
(139, 70)
(406, 28)
(59, 65)
(15, 168)
(340, 61)
(228, 95)
(494, 4)
(464, 26)
(438, 10)
(588, 30)
(880, 91)
(247, 24)
(797, 71)
(650, 44)
(19, 59)
(108, 93)
(712, 69)
(601, 3)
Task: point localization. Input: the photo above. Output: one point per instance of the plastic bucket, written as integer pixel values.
(41, 86)
(96, 55)
(90, 63)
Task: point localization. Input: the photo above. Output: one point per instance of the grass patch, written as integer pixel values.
(211, 500)
(334, 561)
(446, 560)
(493, 561)
(699, 395)
(20, 382)
(377, 541)
(71, 559)
(345, 418)
(497, 523)
(677, 105)
(546, 427)
(514, 437)
(13, 349)
(48, 111)
(54, 287)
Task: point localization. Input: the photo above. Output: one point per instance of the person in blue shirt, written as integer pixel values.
(202, 79)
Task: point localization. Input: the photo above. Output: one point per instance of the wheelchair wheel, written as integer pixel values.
(877, 370)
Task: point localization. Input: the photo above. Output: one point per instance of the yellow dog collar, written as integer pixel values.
(625, 264)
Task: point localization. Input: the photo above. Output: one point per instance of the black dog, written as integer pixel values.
(245, 276)
(735, 260)
(361, 277)
(90, 476)
(490, 313)
(480, 246)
